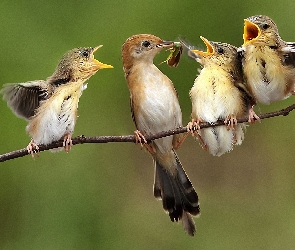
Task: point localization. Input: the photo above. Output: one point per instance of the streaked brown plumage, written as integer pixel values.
(50, 106)
(268, 61)
(220, 94)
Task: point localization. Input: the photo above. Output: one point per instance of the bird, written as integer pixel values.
(268, 61)
(219, 93)
(155, 108)
(50, 106)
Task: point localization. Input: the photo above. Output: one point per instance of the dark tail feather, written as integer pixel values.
(178, 195)
(188, 223)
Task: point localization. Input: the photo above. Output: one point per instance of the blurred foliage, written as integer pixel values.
(100, 196)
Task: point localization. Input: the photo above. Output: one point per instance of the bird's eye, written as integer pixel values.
(265, 26)
(146, 43)
(85, 53)
(220, 50)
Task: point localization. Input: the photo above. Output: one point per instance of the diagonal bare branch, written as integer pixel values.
(131, 138)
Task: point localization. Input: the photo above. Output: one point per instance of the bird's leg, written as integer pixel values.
(231, 122)
(33, 148)
(203, 144)
(67, 143)
(252, 117)
(139, 138)
(193, 127)
(179, 143)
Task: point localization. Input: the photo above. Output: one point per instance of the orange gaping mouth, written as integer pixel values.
(210, 49)
(251, 32)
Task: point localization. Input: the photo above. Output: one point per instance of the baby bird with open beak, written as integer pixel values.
(268, 61)
(155, 108)
(51, 106)
(220, 94)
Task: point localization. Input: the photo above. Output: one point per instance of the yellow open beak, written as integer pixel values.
(251, 32)
(100, 64)
(210, 49)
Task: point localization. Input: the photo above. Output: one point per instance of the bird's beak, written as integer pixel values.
(251, 32)
(210, 49)
(98, 63)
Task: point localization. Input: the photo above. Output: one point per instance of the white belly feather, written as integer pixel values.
(159, 110)
(56, 116)
(212, 101)
(266, 80)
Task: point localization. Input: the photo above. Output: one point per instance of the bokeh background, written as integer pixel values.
(99, 196)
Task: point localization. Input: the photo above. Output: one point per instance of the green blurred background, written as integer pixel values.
(99, 196)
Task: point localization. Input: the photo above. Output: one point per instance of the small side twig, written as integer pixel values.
(131, 138)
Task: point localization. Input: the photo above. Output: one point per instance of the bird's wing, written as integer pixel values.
(249, 100)
(291, 46)
(25, 98)
(289, 53)
(241, 53)
(132, 111)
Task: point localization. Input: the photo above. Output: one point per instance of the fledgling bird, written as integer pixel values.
(219, 93)
(155, 108)
(268, 61)
(51, 106)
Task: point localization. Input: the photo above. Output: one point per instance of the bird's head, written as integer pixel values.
(84, 64)
(143, 47)
(220, 54)
(78, 64)
(260, 30)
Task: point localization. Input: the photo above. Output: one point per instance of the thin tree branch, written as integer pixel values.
(131, 138)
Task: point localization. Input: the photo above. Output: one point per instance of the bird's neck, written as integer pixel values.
(58, 81)
(211, 66)
(62, 75)
(143, 74)
(136, 66)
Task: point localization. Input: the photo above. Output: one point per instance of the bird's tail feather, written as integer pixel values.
(178, 195)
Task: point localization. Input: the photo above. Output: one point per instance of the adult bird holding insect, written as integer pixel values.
(155, 108)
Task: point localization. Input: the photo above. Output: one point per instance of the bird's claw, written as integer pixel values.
(193, 126)
(139, 138)
(33, 148)
(67, 143)
(230, 122)
(252, 117)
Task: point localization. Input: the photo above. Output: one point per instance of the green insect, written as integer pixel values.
(175, 53)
